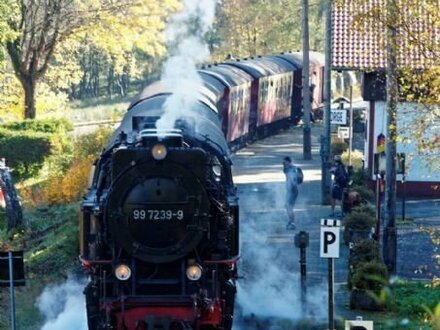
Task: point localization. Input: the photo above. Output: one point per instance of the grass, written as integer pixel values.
(99, 109)
(407, 221)
(408, 307)
(50, 243)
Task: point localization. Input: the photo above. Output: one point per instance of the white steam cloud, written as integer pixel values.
(185, 33)
(270, 288)
(63, 306)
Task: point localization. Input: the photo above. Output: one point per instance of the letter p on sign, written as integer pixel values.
(329, 241)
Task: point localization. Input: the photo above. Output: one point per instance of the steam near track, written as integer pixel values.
(187, 49)
(63, 306)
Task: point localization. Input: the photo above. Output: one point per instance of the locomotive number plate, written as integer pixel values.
(157, 215)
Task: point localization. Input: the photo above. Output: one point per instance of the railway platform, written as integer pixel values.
(270, 284)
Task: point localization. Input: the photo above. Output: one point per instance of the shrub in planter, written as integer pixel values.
(337, 148)
(365, 208)
(366, 193)
(358, 226)
(368, 280)
(359, 177)
(364, 251)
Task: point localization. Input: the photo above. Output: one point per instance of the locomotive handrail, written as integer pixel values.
(161, 132)
(230, 261)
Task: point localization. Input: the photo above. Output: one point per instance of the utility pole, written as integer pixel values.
(390, 232)
(325, 139)
(307, 145)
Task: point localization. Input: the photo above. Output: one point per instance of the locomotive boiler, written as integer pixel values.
(159, 225)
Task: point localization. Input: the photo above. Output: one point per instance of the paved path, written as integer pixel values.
(270, 261)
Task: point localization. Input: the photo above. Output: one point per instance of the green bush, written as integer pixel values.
(359, 220)
(71, 184)
(92, 143)
(359, 177)
(366, 193)
(365, 208)
(29, 144)
(370, 276)
(41, 125)
(24, 151)
(413, 299)
(364, 251)
(337, 148)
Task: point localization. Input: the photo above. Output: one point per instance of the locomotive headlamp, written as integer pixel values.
(159, 151)
(122, 272)
(217, 170)
(194, 272)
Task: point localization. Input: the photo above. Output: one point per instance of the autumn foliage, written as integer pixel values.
(72, 185)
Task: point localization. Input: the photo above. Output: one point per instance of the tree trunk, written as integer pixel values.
(13, 207)
(29, 83)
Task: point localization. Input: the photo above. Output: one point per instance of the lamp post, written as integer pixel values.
(307, 145)
(325, 138)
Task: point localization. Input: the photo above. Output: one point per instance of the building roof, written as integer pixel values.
(359, 34)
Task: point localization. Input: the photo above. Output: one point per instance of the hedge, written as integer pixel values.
(41, 125)
(25, 151)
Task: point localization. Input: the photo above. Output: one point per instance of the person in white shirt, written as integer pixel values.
(291, 172)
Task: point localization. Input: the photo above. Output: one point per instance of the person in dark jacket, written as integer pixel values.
(340, 181)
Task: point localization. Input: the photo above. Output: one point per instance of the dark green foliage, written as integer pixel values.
(364, 251)
(359, 220)
(25, 152)
(26, 145)
(370, 276)
(359, 177)
(92, 143)
(366, 193)
(412, 300)
(41, 125)
(365, 208)
(52, 240)
(337, 148)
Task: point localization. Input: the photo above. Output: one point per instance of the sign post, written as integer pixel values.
(329, 248)
(10, 261)
(338, 117)
(302, 242)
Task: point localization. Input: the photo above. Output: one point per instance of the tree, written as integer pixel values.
(41, 25)
(418, 64)
(6, 10)
(243, 27)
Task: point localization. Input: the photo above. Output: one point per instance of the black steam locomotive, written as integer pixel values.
(159, 231)
(159, 226)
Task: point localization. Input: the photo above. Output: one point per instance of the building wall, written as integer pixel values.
(421, 181)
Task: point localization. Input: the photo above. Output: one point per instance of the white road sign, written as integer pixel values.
(338, 117)
(343, 132)
(367, 325)
(329, 247)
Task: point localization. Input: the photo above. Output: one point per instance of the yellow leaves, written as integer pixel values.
(11, 100)
(434, 316)
(134, 24)
(72, 185)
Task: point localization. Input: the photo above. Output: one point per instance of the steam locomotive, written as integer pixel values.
(159, 226)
